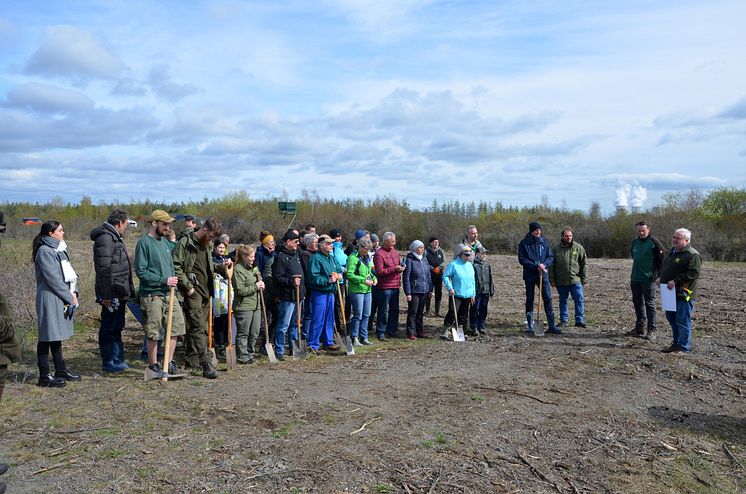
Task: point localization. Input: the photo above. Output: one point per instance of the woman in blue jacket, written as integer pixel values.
(461, 285)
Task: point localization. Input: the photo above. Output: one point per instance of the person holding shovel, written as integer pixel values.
(195, 270)
(246, 306)
(536, 257)
(460, 283)
(288, 277)
(155, 269)
(323, 276)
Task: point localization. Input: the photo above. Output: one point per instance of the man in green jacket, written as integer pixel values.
(647, 255)
(680, 271)
(569, 274)
(195, 272)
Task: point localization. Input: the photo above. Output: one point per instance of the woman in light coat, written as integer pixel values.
(56, 301)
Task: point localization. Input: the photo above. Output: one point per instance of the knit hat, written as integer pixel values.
(335, 232)
(373, 237)
(430, 240)
(534, 225)
(290, 235)
(359, 234)
(416, 245)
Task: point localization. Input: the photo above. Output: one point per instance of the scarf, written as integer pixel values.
(68, 273)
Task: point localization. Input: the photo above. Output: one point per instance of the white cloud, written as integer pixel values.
(45, 98)
(68, 51)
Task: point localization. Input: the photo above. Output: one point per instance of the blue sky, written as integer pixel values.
(503, 101)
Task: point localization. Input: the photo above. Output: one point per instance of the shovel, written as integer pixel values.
(299, 346)
(213, 357)
(458, 333)
(349, 348)
(538, 325)
(230, 350)
(267, 345)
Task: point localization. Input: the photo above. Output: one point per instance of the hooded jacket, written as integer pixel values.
(569, 267)
(285, 267)
(533, 251)
(112, 263)
(416, 275)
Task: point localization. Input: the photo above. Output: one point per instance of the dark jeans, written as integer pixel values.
(681, 323)
(415, 312)
(112, 324)
(463, 306)
(546, 295)
(438, 292)
(3, 376)
(388, 312)
(479, 311)
(643, 298)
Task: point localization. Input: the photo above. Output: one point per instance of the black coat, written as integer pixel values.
(112, 264)
(285, 267)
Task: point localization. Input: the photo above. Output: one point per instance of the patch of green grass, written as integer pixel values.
(112, 453)
(383, 488)
(329, 419)
(216, 442)
(283, 431)
(428, 443)
(440, 438)
(477, 397)
(104, 432)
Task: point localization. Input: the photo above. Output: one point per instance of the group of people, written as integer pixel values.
(305, 287)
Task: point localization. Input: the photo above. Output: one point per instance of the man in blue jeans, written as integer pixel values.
(388, 269)
(569, 274)
(289, 283)
(680, 272)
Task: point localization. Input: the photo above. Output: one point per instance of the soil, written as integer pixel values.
(591, 410)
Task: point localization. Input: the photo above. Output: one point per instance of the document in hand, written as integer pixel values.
(668, 298)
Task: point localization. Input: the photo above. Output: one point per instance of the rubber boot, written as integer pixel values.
(437, 309)
(107, 358)
(356, 341)
(117, 353)
(530, 322)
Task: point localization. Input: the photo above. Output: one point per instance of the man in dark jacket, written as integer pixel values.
(647, 256)
(680, 272)
(536, 257)
(10, 350)
(288, 277)
(113, 287)
(195, 271)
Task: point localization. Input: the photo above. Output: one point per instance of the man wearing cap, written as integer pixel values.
(536, 257)
(195, 272)
(388, 271)
(568, 273)
(680, 272)
(288, 277)
(323, 276)
(155, 269)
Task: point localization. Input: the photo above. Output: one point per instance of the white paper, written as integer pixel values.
(668, 298)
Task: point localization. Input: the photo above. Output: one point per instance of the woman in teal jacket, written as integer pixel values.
(461, 285)
(360, 279)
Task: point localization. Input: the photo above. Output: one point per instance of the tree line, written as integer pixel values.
(716, 218)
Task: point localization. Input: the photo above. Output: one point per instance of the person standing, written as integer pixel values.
(418, 287)
(569, 274)
(311, 241)
(323, 276)
(113, 287)
(361, 282)
(471, 238)
(536, 257)
(155, 269)
(388, 269)
(288, 278)
(436, 258)
(485, 288)
(195, 271)
(680, 271)
(56, 301)
(647, 256)
(246, 305)
(461, 285)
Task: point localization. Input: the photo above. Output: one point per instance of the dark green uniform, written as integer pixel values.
(10, 350)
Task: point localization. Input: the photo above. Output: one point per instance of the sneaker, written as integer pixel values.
(580, 325)
(208, 371)
(365, 342)
(412, 337)
(157, 371)
(562, 324)
(672, 349)
(634, 332)
(174, 370)
(49, 381)
(650, 336)
(555, 331)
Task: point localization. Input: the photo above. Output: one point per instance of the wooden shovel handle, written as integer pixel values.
(169, 322)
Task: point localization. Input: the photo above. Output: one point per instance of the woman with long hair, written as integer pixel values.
(56, 301)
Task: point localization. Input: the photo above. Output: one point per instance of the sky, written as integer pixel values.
(570, 102)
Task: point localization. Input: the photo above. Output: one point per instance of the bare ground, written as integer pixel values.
(588, 411)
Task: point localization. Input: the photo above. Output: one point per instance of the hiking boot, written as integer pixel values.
(331, 348)
(247, 360)
(49, 381)
(67, 375)
(208, 371)
(671, 349)
(650, 336)
(173, 369)
(221, 353)
(634, 332)
(365, 342)
(562, 324)
(580, 325)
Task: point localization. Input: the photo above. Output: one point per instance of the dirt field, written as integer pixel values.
(589, 411)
